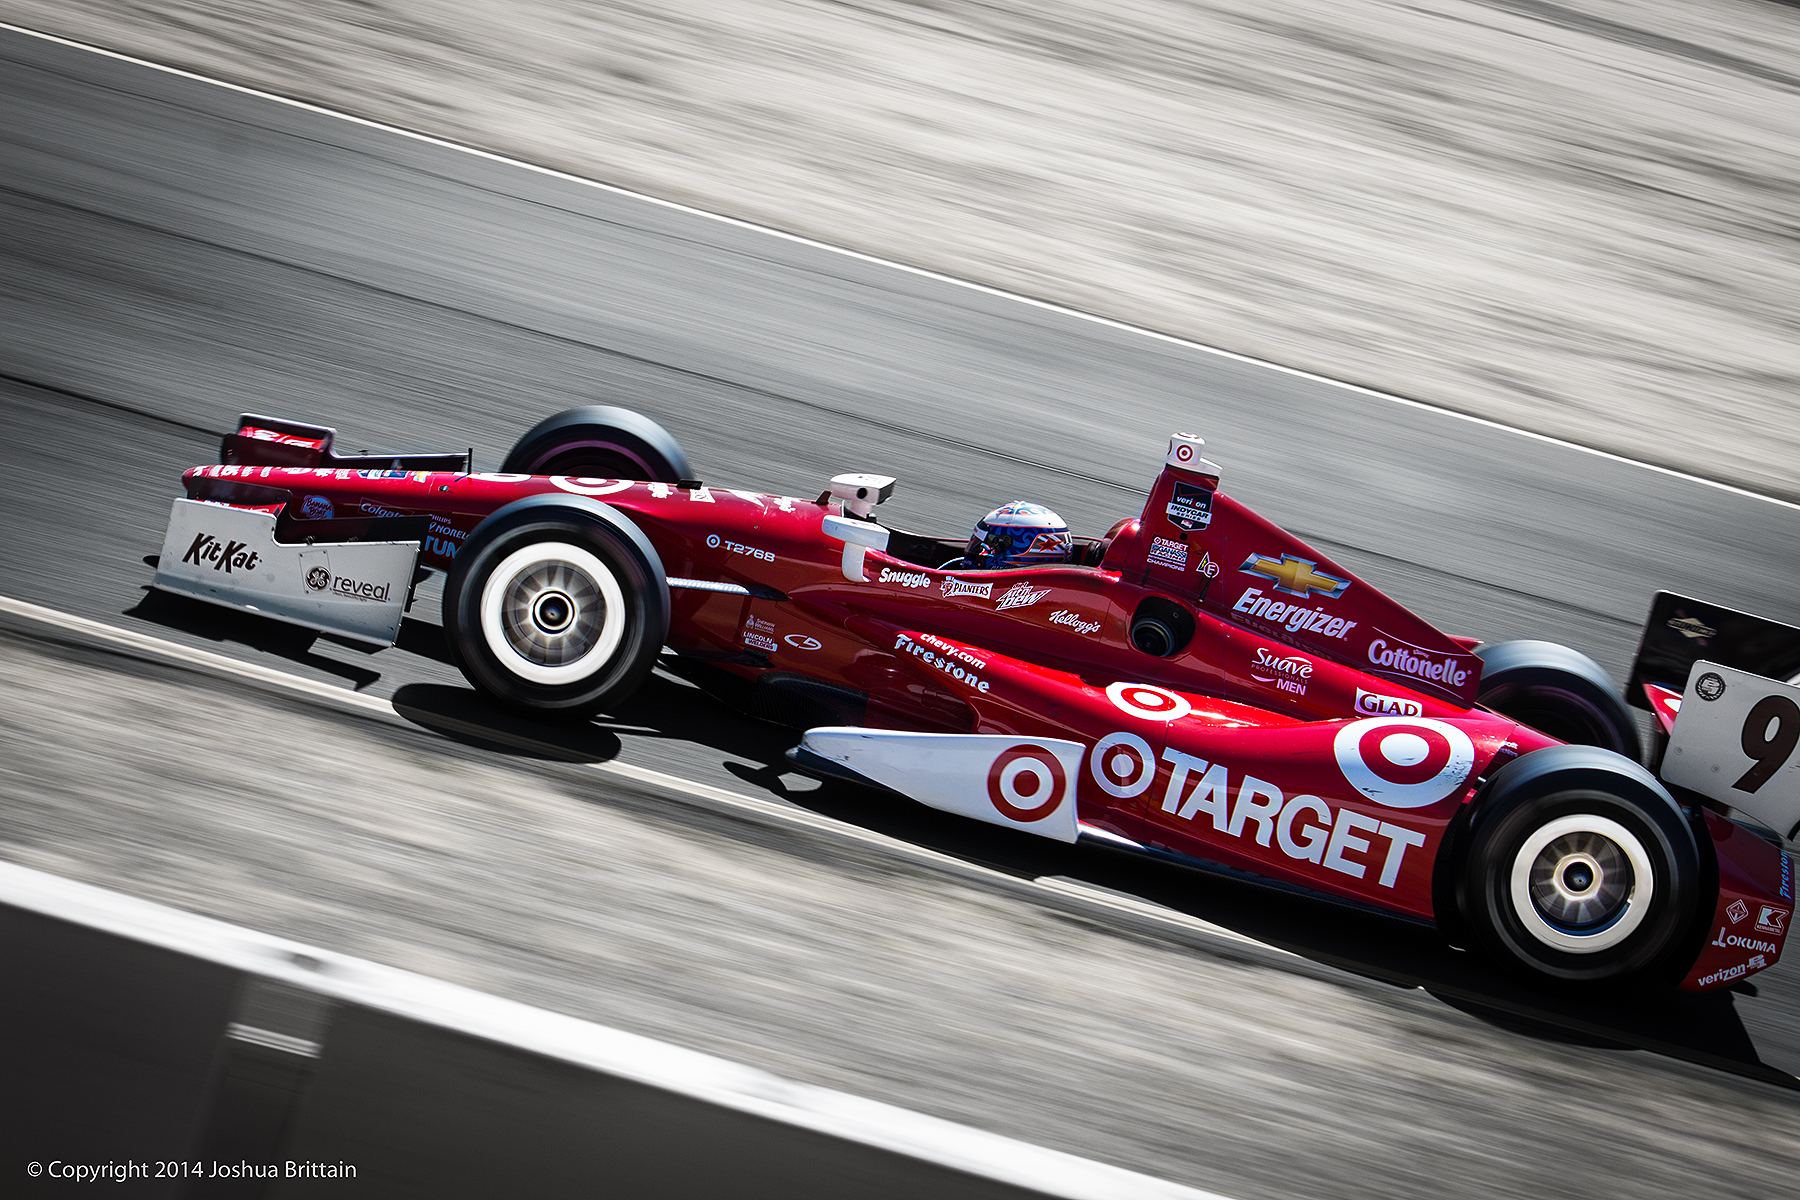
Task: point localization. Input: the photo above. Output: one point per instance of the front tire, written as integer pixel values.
(1559, 692)
(556, 605)
(600, 442)
(1581, 868)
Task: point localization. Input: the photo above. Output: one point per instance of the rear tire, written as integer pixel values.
(556, 605)
(1581, 868)
(1559, 692)
(600, 442)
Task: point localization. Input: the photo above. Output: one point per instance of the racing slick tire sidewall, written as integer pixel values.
(1555, 806)
(1559, 692)
(589, 558)
(599, 441)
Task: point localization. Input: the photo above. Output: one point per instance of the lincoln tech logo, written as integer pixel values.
(1295, 576)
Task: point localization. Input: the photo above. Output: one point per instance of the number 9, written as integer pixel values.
(1769, 750)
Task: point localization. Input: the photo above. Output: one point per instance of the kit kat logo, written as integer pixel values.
(228, 557)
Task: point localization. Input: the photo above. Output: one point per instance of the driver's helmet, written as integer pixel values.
(1019, 534)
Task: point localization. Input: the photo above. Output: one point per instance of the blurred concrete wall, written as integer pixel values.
(137, 1034)
(1571, 216)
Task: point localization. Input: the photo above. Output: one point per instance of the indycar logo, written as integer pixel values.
(1288, 673)
(1166, 552)
(1374, 704)
(222, 556)
(906, 579)
(962, 587)
(1074, 620)
(1020, 595)
(1772, 920)
(1404, 763)
(1190, 507)
(1295, 576)
(1391, 656)
(1026, 783)
(1302, 827)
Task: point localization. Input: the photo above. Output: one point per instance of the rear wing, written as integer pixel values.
(1682, 631)
(276, 442)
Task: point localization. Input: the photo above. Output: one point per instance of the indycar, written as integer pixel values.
(1196, 683)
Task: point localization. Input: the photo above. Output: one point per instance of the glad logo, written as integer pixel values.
(1026, 783)
(1148, 702)
(1374, 704)
(1391, 656)
(1404, 763)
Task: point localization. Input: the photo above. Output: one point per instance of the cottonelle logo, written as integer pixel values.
(1391, 656)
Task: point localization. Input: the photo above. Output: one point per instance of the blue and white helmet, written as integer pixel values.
(1019, 534)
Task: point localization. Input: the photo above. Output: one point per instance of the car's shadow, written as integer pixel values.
(689, 703)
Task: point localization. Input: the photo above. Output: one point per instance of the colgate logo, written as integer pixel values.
(1391, 656)
(1293, 666)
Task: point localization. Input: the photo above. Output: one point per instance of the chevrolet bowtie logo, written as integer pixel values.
(1295, 576)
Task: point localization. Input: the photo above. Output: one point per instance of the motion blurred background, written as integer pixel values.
(1575, 216)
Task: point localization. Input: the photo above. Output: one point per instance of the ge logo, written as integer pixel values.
(1404, 763)
(1026, 783)
(1148, 702)
(318, 579)
(800, 641)
(712, 541)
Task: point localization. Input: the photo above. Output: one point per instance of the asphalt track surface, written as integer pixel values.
(173, 253)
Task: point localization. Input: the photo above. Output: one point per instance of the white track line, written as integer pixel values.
(921, 272)
(1041, 889)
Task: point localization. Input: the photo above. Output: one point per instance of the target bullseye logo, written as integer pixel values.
(1184, 452)
(1148, 702)
(1403, 762)
(583, 485)
(1026, 783)
(1123, 764)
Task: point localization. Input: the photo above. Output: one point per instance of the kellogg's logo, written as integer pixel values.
(906, 579)
(1074, 620)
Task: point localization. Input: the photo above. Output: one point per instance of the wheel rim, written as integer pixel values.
(552, 613)
(1582, 883)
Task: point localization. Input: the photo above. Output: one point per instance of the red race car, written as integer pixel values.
(1196, 683)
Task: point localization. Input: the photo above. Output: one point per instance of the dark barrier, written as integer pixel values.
(204, 1059)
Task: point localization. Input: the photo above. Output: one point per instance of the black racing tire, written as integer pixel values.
(556, 605)
(1581, 869)
(1559, 692)
(600, 442)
